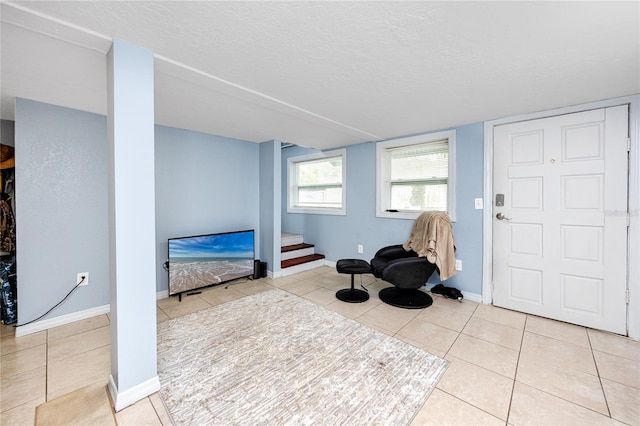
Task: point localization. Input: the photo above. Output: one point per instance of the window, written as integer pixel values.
(317, 183)
(415, 174)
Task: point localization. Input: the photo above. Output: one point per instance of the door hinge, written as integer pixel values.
(626, 297)
(628, 144)
(628, 219)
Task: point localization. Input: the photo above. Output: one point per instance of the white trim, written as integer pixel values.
(272, 275)
(302, 267)
(132, 395)
(450, 136)
(633, 321)
(487, 223)
(308, 251)
(291, 195)
(61, 320)
(330, 263)
(72, 317)
(473, 297)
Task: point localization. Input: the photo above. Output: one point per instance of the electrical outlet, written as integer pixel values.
(360, 249)
(79, 278)
(458, 265)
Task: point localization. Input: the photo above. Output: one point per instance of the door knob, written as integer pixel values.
(501, 216)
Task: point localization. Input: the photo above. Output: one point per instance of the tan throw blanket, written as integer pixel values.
(432, 237)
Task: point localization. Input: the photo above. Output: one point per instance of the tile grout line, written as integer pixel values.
(460, 332)
(520, 353)
(155, 410)
(506, 422)
(560, 397)
(46, 371)
(595, 363)
(515, 374)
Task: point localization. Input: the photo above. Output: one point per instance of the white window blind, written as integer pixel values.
(416, 174)
(419, 175)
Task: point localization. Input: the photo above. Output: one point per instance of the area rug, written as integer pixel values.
(276, 358)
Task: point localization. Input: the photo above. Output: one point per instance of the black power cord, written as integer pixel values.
(362, 284)
(56, 305)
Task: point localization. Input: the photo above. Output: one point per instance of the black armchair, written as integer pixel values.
(407, 272)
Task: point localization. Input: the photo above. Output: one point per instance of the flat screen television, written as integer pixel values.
(206, 260)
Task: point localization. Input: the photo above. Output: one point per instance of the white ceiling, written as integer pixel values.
(325, 74)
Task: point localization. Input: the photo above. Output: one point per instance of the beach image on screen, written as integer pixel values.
(206, 260)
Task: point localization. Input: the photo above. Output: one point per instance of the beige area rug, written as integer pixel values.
(276, 358)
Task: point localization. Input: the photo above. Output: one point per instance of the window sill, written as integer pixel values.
(333, 212)
(404, 215)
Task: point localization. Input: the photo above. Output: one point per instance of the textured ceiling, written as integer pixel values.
(326, 74)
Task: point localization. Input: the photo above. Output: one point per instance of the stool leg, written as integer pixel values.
(352, 295)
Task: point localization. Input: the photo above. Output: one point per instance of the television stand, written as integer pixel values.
(188, 294)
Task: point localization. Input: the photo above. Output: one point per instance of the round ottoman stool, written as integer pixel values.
(353, 266)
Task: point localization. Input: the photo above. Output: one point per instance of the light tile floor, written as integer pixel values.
(507, 368)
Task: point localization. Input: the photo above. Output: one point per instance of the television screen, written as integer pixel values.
(205, 260)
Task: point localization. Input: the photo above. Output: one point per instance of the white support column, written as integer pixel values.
(132, 224)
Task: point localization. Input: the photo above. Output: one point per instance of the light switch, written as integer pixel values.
(478, 202)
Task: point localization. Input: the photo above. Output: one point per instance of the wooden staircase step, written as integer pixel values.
(293, 247)
(300, 260)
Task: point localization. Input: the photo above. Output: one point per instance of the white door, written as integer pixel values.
(560, 237)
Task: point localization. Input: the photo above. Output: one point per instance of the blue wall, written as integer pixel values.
(337, 237)
(270, 202)
(204, 184)
(61, 208)
(7, 132)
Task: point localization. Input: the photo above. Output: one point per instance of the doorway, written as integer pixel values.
(559, 217)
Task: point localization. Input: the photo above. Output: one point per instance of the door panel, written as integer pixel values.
(560, 248)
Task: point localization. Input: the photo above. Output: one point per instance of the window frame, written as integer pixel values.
(292, 185)
(383, 172)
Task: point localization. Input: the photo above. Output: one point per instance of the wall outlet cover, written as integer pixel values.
(84, 281)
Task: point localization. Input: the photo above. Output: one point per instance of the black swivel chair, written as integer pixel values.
(407, 272)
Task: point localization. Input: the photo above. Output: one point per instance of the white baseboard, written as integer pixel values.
(61, 320)
(330, 263)
(105, 309)
(474, 297)
(132, 395)
(271, 274)
(46, 324)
